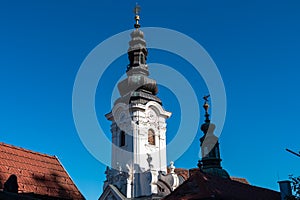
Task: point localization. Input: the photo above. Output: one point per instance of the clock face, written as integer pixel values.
(152, 117)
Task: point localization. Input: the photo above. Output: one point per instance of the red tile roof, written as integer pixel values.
(242, 180)
(203, 186)
(180, 171)
(36, 173)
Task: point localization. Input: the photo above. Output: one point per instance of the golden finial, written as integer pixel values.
(136, 11)
(206, 106)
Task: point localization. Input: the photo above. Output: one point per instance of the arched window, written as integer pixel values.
(122, 139)
(151, 137)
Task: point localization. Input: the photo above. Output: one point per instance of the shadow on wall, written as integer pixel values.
(54, 181)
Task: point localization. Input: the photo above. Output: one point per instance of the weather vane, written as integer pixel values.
(206, 98)
(136, 11)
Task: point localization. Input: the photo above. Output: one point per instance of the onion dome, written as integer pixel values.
(137, 82)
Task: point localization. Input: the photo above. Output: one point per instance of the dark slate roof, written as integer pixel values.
(37, 174)
(203, 186)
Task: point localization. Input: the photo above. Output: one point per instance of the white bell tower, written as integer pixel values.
(138, 127)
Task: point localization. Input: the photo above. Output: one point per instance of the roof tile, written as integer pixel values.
(36, 173)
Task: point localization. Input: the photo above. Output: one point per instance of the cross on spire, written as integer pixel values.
(136, 11)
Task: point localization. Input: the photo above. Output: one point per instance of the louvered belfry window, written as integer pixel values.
(122, 139)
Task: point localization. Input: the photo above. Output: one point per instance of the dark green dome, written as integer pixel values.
(216, 172)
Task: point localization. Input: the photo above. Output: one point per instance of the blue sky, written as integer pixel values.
(255, 45)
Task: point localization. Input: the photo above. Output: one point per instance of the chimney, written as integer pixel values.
(285, 189)
(11, 185)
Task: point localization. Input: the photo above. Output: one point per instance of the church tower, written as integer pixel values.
(138, 128)
(210, 150)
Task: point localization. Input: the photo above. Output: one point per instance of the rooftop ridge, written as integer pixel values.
(22, 168)
(240, 179)
(27, 150)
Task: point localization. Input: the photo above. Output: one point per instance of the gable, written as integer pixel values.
(112, 193)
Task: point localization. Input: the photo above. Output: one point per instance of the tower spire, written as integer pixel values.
(211, 160)
(138, 86)
(138, 158)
